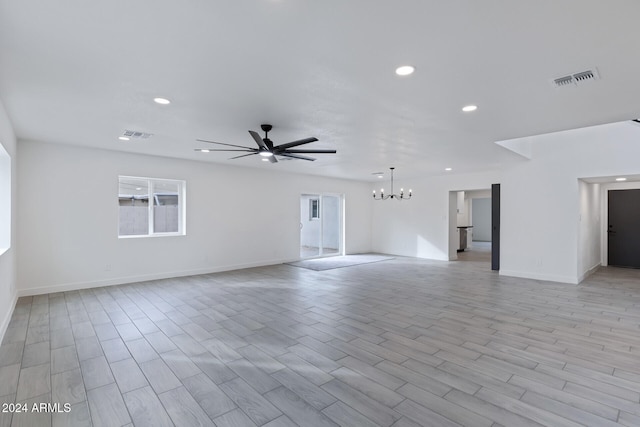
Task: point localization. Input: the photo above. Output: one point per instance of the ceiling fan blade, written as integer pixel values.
(253, 150)
(222, 143)
(243, 155)
(259, 140)
(273, 159)
(295, 143)
(295, 156)
(311, 151)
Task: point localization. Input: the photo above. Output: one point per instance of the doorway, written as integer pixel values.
(623, 230)
(320, 225)
(475, 226)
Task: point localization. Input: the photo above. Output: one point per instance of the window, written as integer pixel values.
(314, 209)
(5, 200)
(150, 207)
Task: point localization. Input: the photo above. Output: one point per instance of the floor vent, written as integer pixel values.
(134, 134)
(576, 78)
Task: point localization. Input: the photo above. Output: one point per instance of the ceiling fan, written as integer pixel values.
(268, 150)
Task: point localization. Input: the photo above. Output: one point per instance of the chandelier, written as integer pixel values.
(392, 195)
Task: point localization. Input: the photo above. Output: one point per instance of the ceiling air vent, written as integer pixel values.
(134, 134)
(563, 81)
(576, 78)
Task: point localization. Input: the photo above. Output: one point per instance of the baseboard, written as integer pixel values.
(64, 287)
(7, 319)
(536, 276)
(429, 258)
(589, 272)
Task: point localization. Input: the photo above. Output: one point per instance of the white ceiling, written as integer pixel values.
(81, 72)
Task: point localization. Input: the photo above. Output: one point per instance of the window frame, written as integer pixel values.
(151, 197)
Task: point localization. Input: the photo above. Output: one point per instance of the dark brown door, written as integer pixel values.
(624, 228)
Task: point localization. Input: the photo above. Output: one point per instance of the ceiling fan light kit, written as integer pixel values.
(400, 196)
(267, 150)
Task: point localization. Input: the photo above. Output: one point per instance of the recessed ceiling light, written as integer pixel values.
(161, 101)
(124, 138)
(265, 159)
(448, 169)
(204, 150)
(621, 179)
(138, 188)
(405, 70)
(469, 108)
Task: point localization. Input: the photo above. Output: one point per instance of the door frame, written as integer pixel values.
(495, 226)
(341, 228)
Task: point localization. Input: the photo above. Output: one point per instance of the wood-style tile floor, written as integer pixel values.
(402, 343)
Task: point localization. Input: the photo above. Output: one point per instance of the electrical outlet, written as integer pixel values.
(107, 267)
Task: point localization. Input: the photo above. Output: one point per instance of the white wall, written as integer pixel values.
(8, 267)
(236, 217)
(540, 206)
(589, 229)
(542, 236)
(424, 226)
(68, 213)
(454, 236)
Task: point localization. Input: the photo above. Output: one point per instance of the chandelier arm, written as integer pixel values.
(376, 197)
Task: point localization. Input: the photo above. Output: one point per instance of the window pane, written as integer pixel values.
(314, 209)
(5, 200)
(133, 198)
(166, 196)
